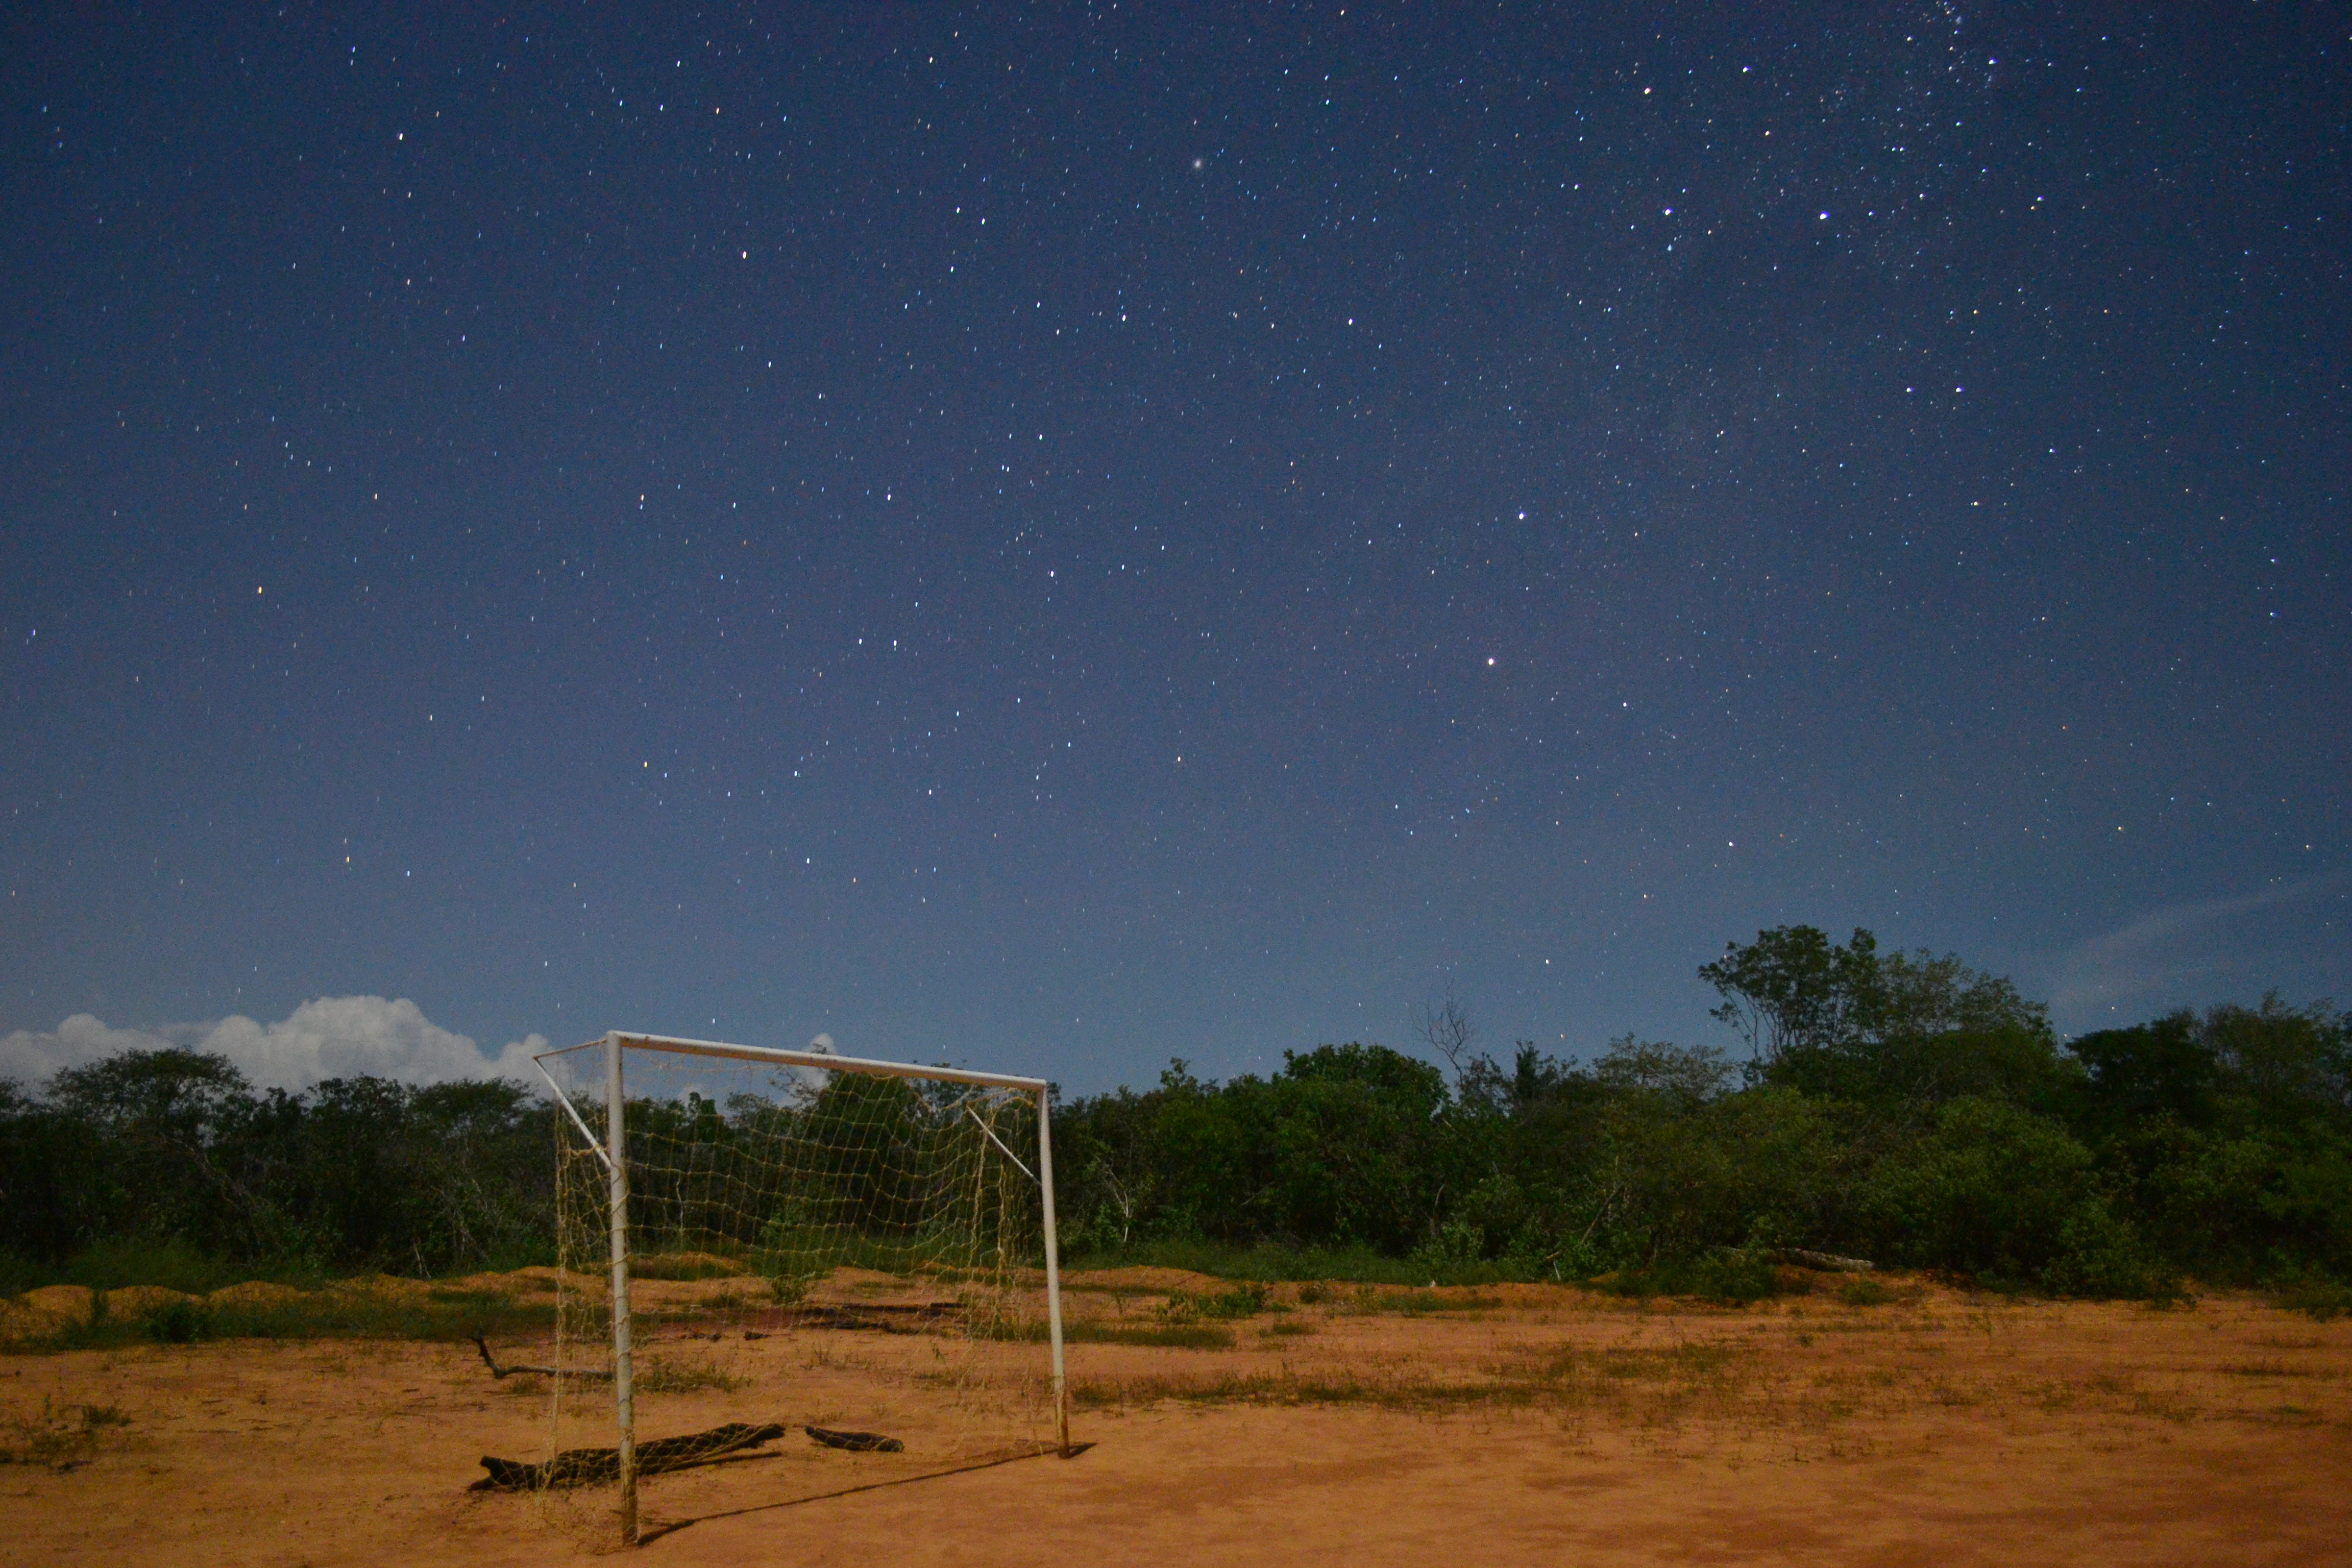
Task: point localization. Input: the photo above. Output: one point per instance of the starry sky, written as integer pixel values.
(1059, 537)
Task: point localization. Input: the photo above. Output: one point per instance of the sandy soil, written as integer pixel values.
(1512, 1424)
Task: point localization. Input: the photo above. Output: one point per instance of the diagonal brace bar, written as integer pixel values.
(992, 1138)
(565, 1100)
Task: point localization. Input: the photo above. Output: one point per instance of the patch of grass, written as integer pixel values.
(2271, 1369)
(2318, 1300)
(1415, 1303)
(678, 1377)
(1233, 1388)
(1864, 1291)
(1727, 1279)
(1692, 1360)
(1286, 1265)
(1287, 1330)
(331, 1314)
(59, 1438)
(1649, 1387)
(1245, 1301)
(684, 1266)
(1192, 1336)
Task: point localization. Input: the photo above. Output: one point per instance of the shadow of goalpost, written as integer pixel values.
(653, 1530)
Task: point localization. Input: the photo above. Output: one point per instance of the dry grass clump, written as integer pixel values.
(60, 1436)
(664, 1376)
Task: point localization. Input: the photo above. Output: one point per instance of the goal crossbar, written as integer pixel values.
(824, 1060)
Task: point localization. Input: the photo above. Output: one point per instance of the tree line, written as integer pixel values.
(1899, 1107)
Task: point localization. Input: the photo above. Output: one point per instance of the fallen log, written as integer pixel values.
(483, 1346)
(856, 1442)
(580, 1467)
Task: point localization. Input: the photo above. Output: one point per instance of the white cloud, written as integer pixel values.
(333, 1037)
(2182, 954)
(80, 1040)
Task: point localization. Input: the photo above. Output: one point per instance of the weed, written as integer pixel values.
(1246, 1300)
(791, 1289)
(178, 1323)
(1864, 1291)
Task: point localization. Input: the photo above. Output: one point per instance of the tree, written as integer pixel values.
(1791, 990)
(1445, 1025)
(1845, 1022)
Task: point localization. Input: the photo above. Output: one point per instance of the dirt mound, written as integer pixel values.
(37, 1314)
(254, 1293)
(138, 1300)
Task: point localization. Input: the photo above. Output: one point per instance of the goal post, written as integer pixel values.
(758, 1202)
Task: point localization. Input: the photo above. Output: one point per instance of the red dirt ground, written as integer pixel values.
(1518, 1424)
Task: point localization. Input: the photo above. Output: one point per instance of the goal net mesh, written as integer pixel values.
(859, 1253)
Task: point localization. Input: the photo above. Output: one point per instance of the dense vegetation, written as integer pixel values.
(164, 1167)
(1899, 1107)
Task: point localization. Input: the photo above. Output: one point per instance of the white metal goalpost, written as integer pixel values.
(939, 1150)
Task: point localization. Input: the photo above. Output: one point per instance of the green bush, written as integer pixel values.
(2100, 1256)
(1988, 1190)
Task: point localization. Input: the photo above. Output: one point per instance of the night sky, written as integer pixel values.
(1058, 538)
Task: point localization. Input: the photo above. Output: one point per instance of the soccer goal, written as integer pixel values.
(796, 1238)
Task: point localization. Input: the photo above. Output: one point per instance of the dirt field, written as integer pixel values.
(1510, 1423)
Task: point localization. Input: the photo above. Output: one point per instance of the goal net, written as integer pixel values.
(750, 1239)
